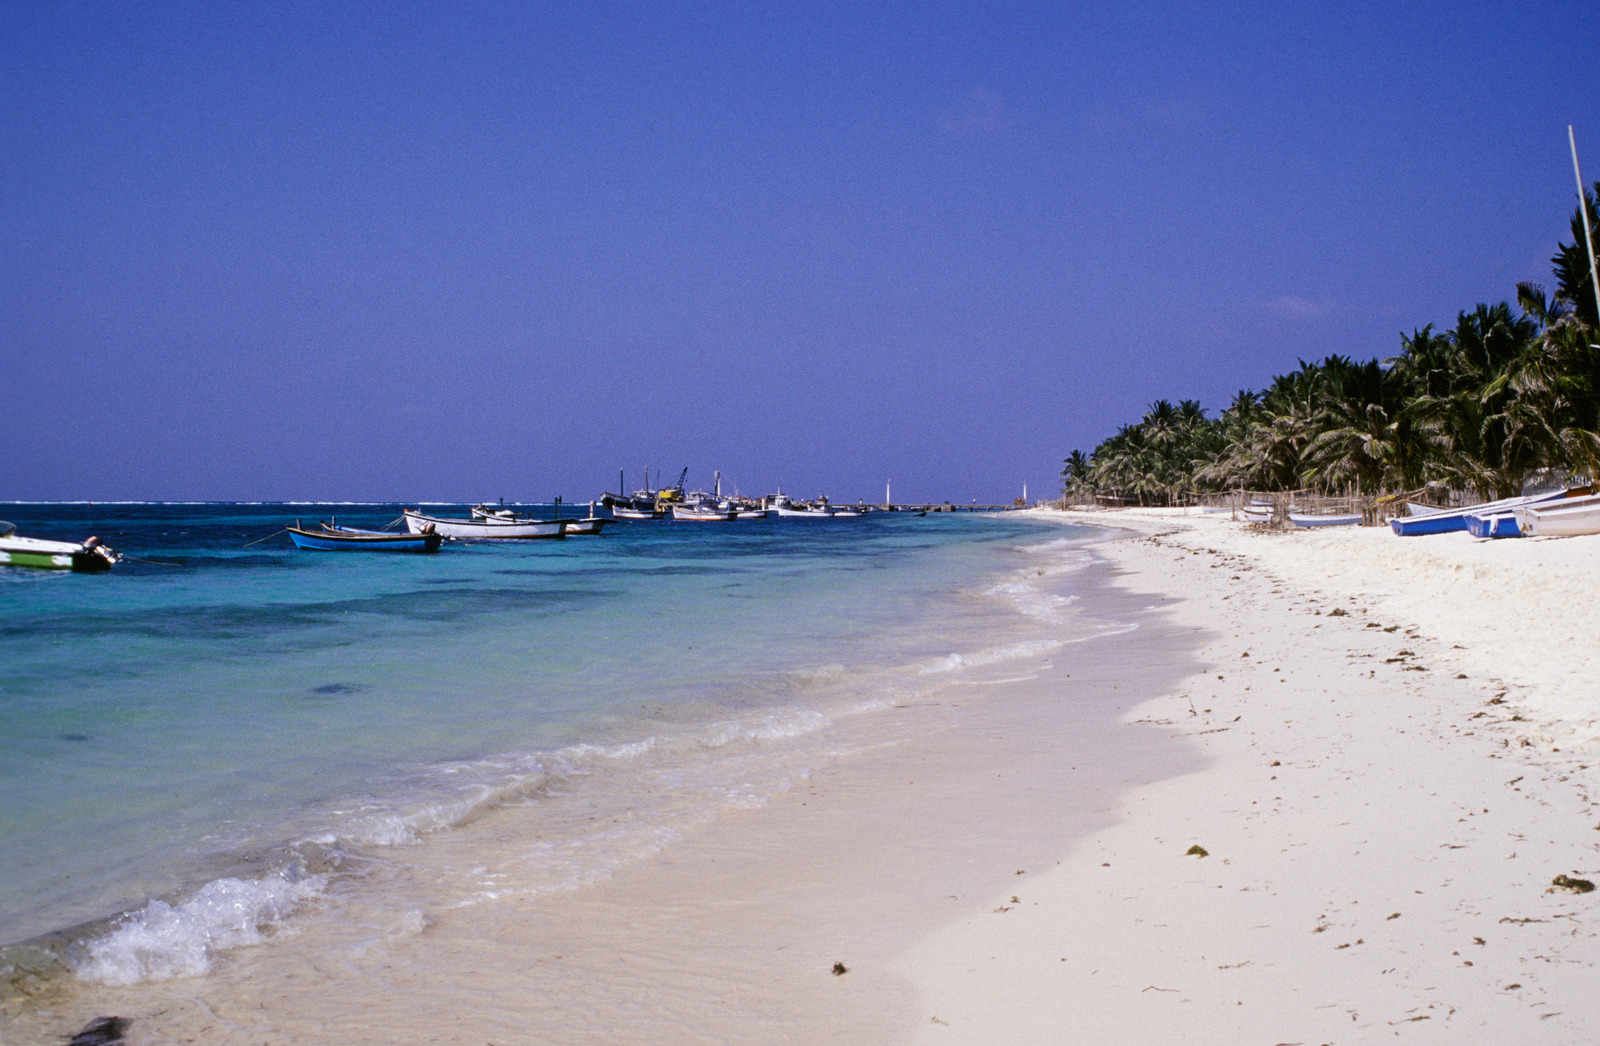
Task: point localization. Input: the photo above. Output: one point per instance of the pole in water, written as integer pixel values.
(1583, 209)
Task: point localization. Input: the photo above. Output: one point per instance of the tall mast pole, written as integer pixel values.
(1583, 209)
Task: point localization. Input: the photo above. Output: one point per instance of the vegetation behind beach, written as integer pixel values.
(1508, 393)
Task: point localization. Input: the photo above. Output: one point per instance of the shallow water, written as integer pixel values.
(220, 737)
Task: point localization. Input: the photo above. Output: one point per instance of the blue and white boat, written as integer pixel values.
(1493, 525)
(1451, 520)
(330, 537)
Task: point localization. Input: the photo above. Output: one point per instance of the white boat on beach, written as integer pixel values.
(1570, 517)
(488, 529)
(1308, 519)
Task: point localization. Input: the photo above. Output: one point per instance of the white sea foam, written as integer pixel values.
(161, 941)
(957, 661)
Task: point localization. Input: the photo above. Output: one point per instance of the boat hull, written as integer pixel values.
(1300, 519)
(485, 529)
(585, 526)
(39, 554)
(685, 514)
(344, 540)
(1452, 520)
(1574, 518)
(1493, 525)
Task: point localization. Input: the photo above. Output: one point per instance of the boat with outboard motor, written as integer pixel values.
(88, 556)
(590, 524)
(484, 529)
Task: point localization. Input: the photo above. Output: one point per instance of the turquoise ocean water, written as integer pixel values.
(223, 732)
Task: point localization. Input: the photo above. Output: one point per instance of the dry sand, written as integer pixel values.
(1390, 793)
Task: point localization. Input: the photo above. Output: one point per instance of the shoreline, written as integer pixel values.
(738, 923)
(1383, 819)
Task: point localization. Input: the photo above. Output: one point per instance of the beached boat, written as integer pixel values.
(485, 529)
(1308, 519)
(84, 557)
(1493, 524)
(1448, 521)
(330, 537)
(1570, 517)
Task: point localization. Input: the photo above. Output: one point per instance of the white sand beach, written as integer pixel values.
(1389, 794)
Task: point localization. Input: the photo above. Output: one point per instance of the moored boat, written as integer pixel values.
(633, 512)
(485, 529)
(804, 510)
(330, 537)
(590, 524)
(703, 512)
(84, 557)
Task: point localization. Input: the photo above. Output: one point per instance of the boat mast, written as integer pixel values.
(1583, 209)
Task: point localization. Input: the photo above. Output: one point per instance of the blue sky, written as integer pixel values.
(458, 251)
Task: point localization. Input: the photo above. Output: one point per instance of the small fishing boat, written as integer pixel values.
(330, 537)
(633, 512)
(703, 512)
(1308, 519)
(591, 524)
(1447, 521)
(1571, 517)
(484, 529)
(585, 525)
(1493, 524)
(804, 510)
(84, 557)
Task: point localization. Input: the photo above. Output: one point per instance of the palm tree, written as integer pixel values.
(1075, 481)
(1574, 285)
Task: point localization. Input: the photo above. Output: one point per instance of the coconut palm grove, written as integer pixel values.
(1507, 395)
